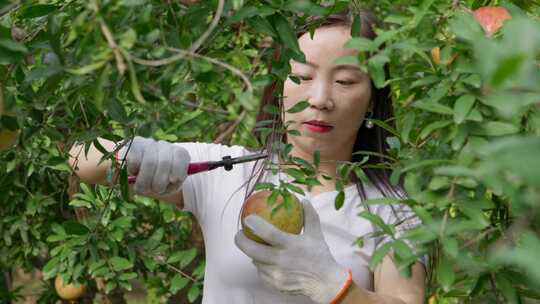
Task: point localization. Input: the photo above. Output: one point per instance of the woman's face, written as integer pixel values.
(339, 96)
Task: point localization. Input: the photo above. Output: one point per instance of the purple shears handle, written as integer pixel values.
(192, 169)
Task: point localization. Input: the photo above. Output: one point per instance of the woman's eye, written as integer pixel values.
(303, 77)
(297, 78)
(345, 82)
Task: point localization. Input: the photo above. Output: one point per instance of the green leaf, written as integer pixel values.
(295, 188)
(379, 255)
(56, 228)
(408, 123)
(424, 81)
(305, 7)
(507, 68)
(496, 128)
(432, 127)
(445, 273)
(433, 107)
(262, 186)
(87, 68)
(119, 263)
(298, 107)
(185, 257)
(351, 60)
(462, 108)
(50, 269)
(55, 238)
(466, 27)
(110, 286)
(194, 292)
(132, 3)
(80, 203)
(245, 12)
(287, 35)
(294, 132)
(356, 26)
(295, 173)
(178, 283)
(505, 286)
(361, 44)
(340, 199)
(317, 158)
(35, 11)
(272, 109)
(75, 228)
(11, 45)
(524, 256)
(123, 222)
(377, 221)
(127, 276)
(376, 70)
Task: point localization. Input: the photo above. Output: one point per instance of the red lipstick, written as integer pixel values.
(318, 126)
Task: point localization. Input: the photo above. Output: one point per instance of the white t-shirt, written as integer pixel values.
(215, 198)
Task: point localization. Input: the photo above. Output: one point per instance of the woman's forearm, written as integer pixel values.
(87, 166)
(390, 286)
(356, 295)
(89, 169)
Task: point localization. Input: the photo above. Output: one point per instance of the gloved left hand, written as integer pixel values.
(294, 264)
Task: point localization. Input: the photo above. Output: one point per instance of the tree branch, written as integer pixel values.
(228, 132)
(195, 46)
(9, 8)
(120, 64)
(184, 53)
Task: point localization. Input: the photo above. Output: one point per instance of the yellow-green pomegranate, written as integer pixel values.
(287, 219)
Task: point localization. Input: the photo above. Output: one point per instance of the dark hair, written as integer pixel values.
(371, 140)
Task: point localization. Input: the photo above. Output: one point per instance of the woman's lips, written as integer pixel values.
(318, 128)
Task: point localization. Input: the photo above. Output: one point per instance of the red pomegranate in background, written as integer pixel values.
(491, 18)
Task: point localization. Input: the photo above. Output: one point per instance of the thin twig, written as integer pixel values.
(197, 106)
(184, 53)
(8, 9)
(156, 92)
(231, 128)
(84, 114)
(120, 64)
(162, 260)
(443, 226)
(195, 46)
(494, 287)
(479, 237)
(1, 98)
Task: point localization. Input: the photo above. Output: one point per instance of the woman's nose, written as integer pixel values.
(320, 96)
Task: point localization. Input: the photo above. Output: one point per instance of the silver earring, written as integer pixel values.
(369, 123)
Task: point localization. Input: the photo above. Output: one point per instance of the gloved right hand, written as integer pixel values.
(161, 167)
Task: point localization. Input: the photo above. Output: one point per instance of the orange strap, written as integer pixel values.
(343, 289)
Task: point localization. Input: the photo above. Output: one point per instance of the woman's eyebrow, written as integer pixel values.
(337, 67)
(351, 67)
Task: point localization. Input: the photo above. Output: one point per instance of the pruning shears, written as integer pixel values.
(227, 163)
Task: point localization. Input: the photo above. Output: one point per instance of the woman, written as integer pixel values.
(322, 265)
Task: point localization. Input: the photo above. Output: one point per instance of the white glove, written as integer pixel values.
(294, 264)
(161, 167)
